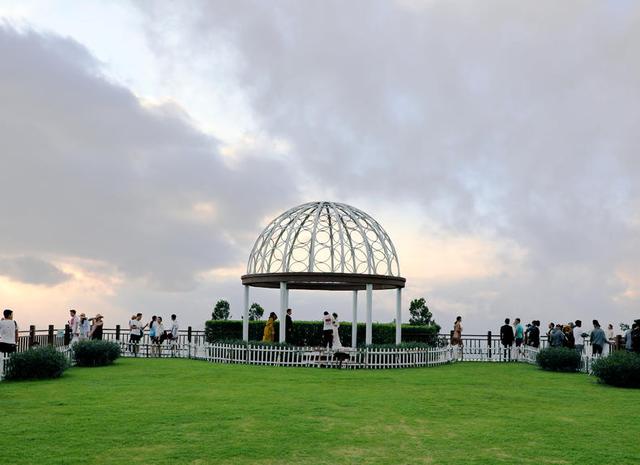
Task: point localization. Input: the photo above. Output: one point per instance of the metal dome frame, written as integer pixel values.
(324, 246)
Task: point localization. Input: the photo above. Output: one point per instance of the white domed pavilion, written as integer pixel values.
(324, 246)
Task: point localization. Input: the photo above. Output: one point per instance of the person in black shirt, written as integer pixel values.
(506, 338)
(533, 334)
(288, 337)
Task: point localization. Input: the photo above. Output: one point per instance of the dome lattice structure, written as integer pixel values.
(324, 237)
(324, 242)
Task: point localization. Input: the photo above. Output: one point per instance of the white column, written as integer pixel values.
(399, 316)
(245, 317)
(283, 310)
(369, 333)
(354, 320)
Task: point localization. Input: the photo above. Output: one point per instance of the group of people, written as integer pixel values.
(83, 328)
(269, 333)
(570, 335)
(157, 332)
(330, 326)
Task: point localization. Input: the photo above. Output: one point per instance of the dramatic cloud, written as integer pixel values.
(496, 142)
(89, 173)
(510, 121)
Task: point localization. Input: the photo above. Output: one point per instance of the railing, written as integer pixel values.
(319, 357)
(62, 337)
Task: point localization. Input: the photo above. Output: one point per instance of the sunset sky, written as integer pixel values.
(145, 145)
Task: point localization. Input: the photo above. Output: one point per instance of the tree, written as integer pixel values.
(221, 311)
(255, 311)
(420, 314)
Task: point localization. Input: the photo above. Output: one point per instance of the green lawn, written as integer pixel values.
(192, 412)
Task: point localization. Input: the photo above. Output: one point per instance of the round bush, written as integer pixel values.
(620, 369)
(38, 363)
(95, 353)
(558, 359)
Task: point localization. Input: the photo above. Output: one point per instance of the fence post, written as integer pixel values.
(117, 332)
(67, 335)
(489, 344)
(32, 335)
(50, 336)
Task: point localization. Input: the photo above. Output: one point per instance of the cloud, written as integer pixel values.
(513, 123)
(31, 270)
(89, 173)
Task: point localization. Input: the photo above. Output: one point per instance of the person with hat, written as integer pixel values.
(85, 327)
(96, 328)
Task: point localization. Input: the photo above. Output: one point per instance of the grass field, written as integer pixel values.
(191, 412)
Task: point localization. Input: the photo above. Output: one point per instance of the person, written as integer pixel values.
(557, 337)
(289, 325)
(598, 338)
(96, 328)
(85, 327)
(327, 330)
(519, 335)
(456, 339)
(74, 326)
(506, 338)
(578, 336)
(611, 337)
(160, 336)
(550, 329)
(336, 335)
(153, 324)
(533, 334)
(269, 333)
(135, 333)
(569, 341)
(173, 333)
(8, 333)
(628, 346)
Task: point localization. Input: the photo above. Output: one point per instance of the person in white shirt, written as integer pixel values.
(135, 333)
(84, 327)
(8, 333)
(174, 333)
(74, 326)
(160, 336)
(577, 336)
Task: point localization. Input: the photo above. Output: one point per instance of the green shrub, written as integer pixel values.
(38, 363)
(95, 353)
(620, 369)
(309, 333)
(558, 359)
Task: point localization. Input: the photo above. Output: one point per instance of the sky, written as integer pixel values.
(145, 145)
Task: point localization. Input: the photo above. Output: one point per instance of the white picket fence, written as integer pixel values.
(369, 358)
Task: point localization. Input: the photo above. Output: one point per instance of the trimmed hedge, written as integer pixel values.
(309, 333)
(558, 359)
(95, 353)
(620, 369)
(39, 363)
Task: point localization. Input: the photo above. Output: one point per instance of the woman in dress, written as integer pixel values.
(152, 332)
(96, 328)
(85, 327)
(160, 336)
(456, 339)
(336, 335)
(269, 331)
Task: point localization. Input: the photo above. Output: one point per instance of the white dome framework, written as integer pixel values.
(324, 237)
(328, 246)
